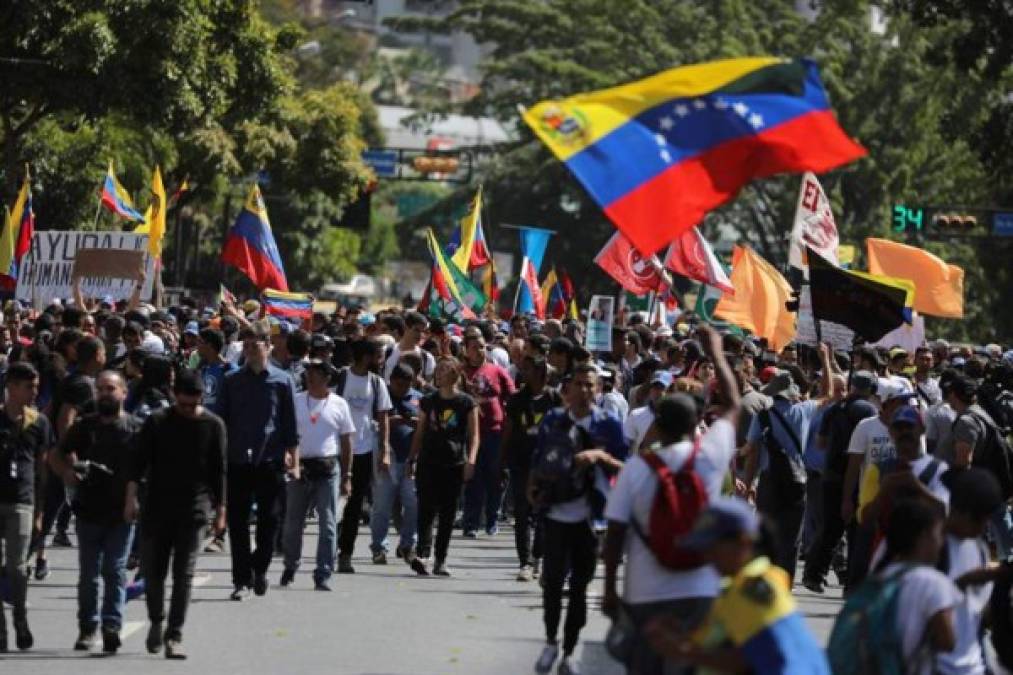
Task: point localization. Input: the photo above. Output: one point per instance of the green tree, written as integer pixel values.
(889, 89)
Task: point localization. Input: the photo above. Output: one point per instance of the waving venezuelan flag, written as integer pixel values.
(116, 198)
(659, 153)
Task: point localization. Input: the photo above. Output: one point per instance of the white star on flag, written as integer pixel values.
(721, 104)
(681, 110)
(700, 104)
(660, 140)
(666, 123)
(665, 155)
(741, 108)
(756, 120)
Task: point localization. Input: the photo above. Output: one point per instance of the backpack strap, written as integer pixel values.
(788, 428)
(929, 472)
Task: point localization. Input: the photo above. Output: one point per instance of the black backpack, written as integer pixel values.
(995, 455)
(554, 474)
(786, 468)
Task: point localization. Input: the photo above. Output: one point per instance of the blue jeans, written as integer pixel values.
(1001, 527)
(322, 493)
(485, 490)
(102, 551)
(386, 485)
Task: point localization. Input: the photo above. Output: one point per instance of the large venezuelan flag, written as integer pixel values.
(659, 153)
(116, 198)
(250, 246)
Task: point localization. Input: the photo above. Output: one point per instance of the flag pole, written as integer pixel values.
(98, 212)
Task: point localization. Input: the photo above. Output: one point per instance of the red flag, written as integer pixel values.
(691, 256)
(624, 263)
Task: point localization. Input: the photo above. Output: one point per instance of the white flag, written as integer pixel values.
(814, 224)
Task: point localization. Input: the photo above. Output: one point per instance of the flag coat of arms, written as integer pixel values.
(671, 147)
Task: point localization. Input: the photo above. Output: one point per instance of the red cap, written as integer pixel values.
(767, 373)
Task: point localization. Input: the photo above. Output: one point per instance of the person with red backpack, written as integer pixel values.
(654, 502)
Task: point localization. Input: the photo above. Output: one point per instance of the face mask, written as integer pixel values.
(107, 407)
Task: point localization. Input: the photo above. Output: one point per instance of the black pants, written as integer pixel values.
(527, 526)
(55, 510)
(569, 548)
(248, 485)
(439, 490)
(362, 478)
(180, 539)
(784, 504)
(821, 553)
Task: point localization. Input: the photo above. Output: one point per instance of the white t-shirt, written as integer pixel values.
(321, 422)
(636, 425)
(233, 352)
(966, 658)
(579, 509)
(924, 592)
(499, 356)
(359, 395)
(613, 402)
(633, 497)
(428, 362)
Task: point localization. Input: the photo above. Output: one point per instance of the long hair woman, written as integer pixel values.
(442, 458)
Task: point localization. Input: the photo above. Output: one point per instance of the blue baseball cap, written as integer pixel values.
(907, 414)
(192, 328)
(724, 519)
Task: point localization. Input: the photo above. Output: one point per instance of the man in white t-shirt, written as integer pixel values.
(413, 328)
(650, 588)
(325, 428)
(638, 424)
(369, 401)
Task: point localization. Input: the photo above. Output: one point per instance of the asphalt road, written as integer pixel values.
(382, 621)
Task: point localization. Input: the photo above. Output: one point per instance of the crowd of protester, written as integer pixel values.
(705, 472)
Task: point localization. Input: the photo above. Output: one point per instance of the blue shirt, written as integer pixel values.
(798, 415)
(815, 456)
(259, 414)
(605, 429)
(213, 374)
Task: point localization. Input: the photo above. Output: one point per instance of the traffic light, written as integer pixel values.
(954, 221)
(908, 219)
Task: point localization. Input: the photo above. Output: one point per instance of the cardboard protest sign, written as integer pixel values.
(600, 318)
(47, 270)
(100, 263)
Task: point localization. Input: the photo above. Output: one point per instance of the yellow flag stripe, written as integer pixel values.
(600, 112)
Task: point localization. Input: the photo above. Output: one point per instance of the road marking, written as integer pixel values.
(199, 581)
(131, 627)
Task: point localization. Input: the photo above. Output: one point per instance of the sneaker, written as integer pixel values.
(174, 649)
(260, 584)
(536, 567)
(568, 667)
(136, 589)
(492, 531)
(240, 593)
(23, 635)
(60, 539)
(380, 558)
(41, 569)
(86, 641)
(470, 534)
(216, 545)
(548, 657)
(287, 577)
(345, 565)
(403, 552)
(814, 585)
(418, 566)
(321, 586)
(111, 641)
(440, 569)
(526, 573)
(154, 640)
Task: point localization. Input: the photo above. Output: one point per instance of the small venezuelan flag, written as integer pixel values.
(288, 305)
(659, 153)
(116, 198)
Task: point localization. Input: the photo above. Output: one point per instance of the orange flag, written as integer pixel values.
(758, 303)
(939, 287)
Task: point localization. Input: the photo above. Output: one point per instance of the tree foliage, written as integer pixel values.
(913, 109)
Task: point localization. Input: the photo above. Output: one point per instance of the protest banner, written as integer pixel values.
(600, 317)
(814, 224)
(47, 270)
(111, 263)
